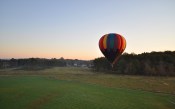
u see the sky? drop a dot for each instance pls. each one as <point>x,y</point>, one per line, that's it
<point>72,28</point>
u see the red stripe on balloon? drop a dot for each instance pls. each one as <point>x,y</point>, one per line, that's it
<point>101,43</point>
<point>118,44</point>
<point>121,45</point>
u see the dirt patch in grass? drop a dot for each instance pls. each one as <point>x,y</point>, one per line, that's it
<point>39,102</point>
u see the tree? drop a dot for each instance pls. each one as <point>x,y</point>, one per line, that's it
<point>154,63</point>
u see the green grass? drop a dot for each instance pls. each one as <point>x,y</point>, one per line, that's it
<point>74,88</point>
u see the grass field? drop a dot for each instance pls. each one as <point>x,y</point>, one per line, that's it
<point>80,88</point>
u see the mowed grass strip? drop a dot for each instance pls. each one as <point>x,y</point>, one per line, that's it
<point>41,92</point>
<point>147,83</point>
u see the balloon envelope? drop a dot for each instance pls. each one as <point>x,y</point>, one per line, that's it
<point>112,46</point>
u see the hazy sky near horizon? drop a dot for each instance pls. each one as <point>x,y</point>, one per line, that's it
<point>72,28</point>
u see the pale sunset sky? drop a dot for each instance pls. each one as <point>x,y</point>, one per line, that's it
<point>72,28</point>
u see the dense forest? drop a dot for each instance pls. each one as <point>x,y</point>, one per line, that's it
<point>154,63</point>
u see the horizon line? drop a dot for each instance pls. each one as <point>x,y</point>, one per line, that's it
<point>81,59</point>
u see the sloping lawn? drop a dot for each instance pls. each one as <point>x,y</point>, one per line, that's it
<point>43,92</point>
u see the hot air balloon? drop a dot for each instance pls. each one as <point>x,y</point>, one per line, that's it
<point>112,46</point>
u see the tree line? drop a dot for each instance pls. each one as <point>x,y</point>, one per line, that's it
<point>41,63</point>
<point>154,63</point>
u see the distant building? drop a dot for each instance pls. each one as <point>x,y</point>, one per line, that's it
<point>84,65</point>
<point>75,65</point>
